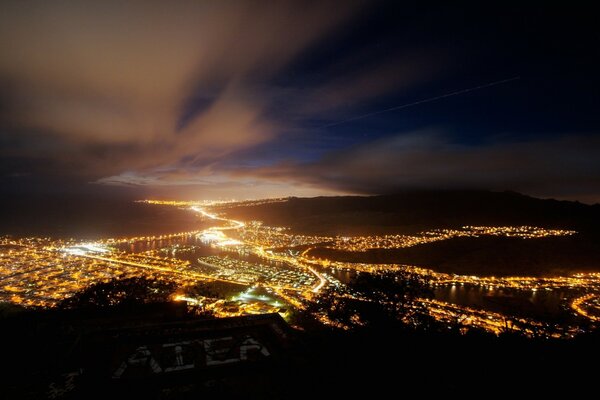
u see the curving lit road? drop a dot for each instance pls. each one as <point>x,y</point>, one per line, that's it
<point>581,304</point>
<point>233,224</point>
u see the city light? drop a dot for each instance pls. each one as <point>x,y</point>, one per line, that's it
<point>43,271</point>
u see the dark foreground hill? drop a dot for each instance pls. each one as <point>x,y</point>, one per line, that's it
<point>159,352</point>
<point>413,212</point>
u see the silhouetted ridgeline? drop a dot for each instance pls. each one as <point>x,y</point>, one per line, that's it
<point>412,212</point>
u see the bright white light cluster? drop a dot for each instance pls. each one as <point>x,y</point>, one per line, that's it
<point>217,238</point>
<point>86,248</point>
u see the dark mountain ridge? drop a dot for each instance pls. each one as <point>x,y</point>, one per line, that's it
<point>412,212</point>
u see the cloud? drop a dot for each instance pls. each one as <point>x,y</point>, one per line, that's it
<point>564,166</point>
<point>193,96</point>
<point>99,89</point>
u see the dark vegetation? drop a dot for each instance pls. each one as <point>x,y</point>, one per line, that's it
<point>390,303</point>
<point>218,290</point>
<point>380,358</point>
<point>125,293</point>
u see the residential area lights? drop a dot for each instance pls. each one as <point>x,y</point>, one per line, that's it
<point>43,271</point>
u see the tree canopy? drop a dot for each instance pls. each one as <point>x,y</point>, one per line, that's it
<point>121,292</point>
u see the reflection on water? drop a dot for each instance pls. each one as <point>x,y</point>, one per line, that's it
<point>342,275</point>
<point>518,302</point>
<point>191,247</point>
<point>540,304</point>
<point>535,304</point>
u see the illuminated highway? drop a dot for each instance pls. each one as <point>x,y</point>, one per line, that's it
<point>588,306</point>
<point>223,240</point>
<point>232,223</point>
<point>42,271</point>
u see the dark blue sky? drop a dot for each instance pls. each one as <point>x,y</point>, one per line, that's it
<point>256,99</point>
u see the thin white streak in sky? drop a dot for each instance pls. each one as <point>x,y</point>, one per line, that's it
<point>416,103</point>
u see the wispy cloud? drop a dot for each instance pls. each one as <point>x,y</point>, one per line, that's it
<point>565,166</point>
<point>111,87</point>
<point>191,95</point>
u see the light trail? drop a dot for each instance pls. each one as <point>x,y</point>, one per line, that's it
<point>322,281</point>
<point>578,306</point>
<point>259,250</point>
<point>428,100</point>
<point>235,224</point>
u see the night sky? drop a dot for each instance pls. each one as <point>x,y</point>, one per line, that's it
<point>224,99</point>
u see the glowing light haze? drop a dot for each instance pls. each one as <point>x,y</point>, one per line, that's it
<point>244,99</point>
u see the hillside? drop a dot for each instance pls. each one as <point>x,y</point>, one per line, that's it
<point>412,212</point>
<point>486,256</point>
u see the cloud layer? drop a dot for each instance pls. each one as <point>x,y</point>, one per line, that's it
<point>108,88</point>
<point>565,166</point>
<point>238,98</point>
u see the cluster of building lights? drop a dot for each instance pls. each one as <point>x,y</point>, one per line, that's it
<point>364,243</point>
<point>588,306</point>
<point>246,302</point>
<point>41,272</point>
